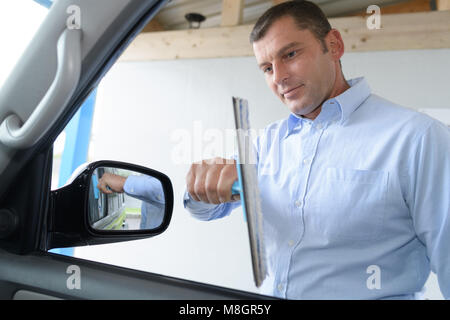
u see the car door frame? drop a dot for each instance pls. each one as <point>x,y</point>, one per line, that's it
<point>27,270</point>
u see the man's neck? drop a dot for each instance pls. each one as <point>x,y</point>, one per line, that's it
<point>340,87</point>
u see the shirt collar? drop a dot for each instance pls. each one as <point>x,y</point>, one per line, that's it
<point>293,121</point>
<point>352,98</point>
<point>346,103</point>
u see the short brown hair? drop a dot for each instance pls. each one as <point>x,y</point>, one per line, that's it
<point>306,14</point>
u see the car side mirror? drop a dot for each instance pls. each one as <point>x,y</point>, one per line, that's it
<point>109,201</point>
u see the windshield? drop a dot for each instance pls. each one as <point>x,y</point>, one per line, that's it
<point>19,21</point>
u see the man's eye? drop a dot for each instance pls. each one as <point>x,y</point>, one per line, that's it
<point>267,69</point>
<point>291,54</point>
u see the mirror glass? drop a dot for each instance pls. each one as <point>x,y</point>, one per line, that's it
<point>125,200</point>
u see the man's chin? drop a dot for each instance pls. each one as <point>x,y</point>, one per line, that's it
<point>301,111</point>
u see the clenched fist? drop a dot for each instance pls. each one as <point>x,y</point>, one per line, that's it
<point>110,183</point>
<point>211,180</point>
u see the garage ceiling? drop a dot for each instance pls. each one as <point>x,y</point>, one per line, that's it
<point>172,17</point>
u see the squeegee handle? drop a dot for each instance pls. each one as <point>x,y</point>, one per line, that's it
<point>236,188</point>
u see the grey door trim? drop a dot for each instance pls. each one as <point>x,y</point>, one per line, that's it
<point>49,274</point>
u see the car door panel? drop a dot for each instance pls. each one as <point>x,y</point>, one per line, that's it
<point>26,270</point>
<point>98,281</point>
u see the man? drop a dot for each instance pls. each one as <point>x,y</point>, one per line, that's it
<point>147,189</point>
<point>355,189</point>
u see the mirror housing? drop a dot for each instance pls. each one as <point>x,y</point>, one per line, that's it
<point>68,224</point>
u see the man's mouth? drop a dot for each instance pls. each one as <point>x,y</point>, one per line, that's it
<point>287,94</point>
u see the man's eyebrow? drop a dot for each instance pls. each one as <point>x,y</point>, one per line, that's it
<point>288,46</point>
<point>283,49</point>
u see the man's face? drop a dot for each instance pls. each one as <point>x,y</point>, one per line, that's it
<point>296,67</point>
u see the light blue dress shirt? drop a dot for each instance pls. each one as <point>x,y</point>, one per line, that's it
<point>149,190</point>
<point>356,203</point>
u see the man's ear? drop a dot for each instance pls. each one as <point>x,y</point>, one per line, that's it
<point>335,44</point>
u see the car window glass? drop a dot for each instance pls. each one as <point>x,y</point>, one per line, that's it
<point>165,117</point>
<point>167,114</point>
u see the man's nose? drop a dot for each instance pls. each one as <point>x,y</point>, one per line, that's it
<point>280,74</point>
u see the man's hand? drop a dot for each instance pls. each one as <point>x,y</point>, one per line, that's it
<point>113,181</point>
<point>211,180</point>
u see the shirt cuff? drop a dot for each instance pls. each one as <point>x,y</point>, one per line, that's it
<point>127,187</point>
<point>195,206</point>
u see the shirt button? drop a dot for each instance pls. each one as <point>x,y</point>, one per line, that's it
<point>280,287</point>
<point>319,127</point>
<point>290,243</point>
<point>306,161</point>
<point>298,204</point>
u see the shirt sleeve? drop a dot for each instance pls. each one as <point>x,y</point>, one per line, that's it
<point>207,211</point>
<point>429,198</point>
<point>144,188</point>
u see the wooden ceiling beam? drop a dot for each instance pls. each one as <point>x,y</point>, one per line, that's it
<point>275,2</point>
<point>232,12</point>
<point>404,7</point>
<point>153,26</point>
<point>408,31</point>
<point>407,7</point>
<point>443,4</point>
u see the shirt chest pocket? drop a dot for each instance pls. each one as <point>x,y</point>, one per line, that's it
<point>351,204</point>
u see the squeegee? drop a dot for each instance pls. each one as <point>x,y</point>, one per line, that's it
<point>247,187</point>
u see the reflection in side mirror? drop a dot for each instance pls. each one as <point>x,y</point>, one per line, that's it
<point>121,199</point>
<point>109,201</point>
